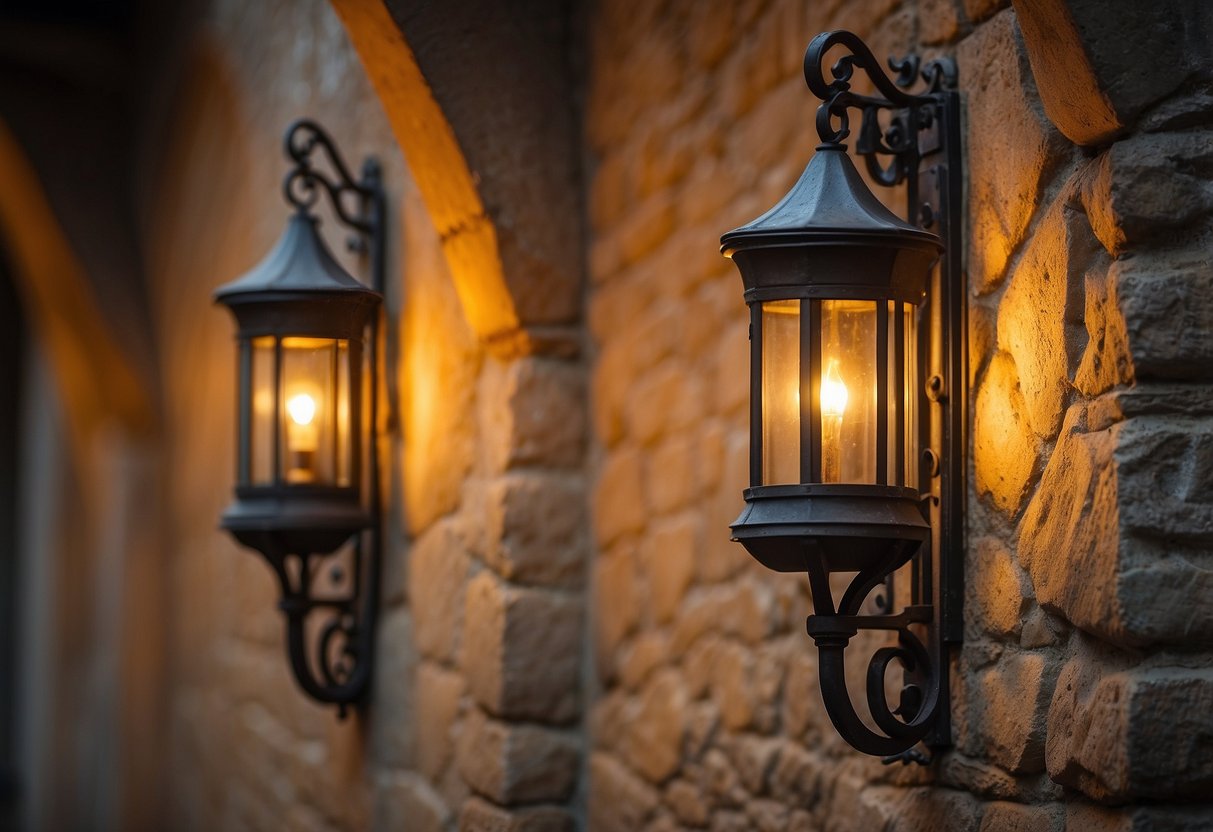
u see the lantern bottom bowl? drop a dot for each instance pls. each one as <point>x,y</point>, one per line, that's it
<point>294,519</point>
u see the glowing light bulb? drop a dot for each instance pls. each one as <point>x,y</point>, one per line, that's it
<point>833,392</point>
<point>302,409</point>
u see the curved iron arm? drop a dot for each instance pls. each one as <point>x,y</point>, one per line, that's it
<point>303,184</point>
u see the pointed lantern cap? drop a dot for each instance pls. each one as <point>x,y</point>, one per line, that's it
<point>831,231</point>
<point>299,289</point>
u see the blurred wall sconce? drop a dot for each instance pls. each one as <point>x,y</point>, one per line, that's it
<point>307,478</point>
<point>858,390</point>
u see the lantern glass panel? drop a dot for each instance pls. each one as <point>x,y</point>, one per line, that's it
<point>261,416</point>
<point>848,398</point>
<point>780,392</point>
<point>907,392</point>
<point>309,411</point>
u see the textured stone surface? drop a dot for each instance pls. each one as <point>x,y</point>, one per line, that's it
<point>1012,147</point>
<point>516,763</point>
<point>1090,91</point>
<point>521,651</point>
<point>1005,448</point>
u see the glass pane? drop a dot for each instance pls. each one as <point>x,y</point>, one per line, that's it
<point>848,391</point>
<point>342,403</point>
<point>781,392</point>
<point>912,390</point>
<point>308,410</point>
<point>261,421</point>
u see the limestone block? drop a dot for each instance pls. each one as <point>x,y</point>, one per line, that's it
<point>1106,362</point>
<point>912,810</point>
<point>670,474</point>
<point>997,592</point>
<point>480,816</point>
<point>405,801</point>
<point>618,497</point>
<point>1091,90</point>
<point>619,801</point>
<point>647,652</point>
<point>1012,147</point>
<point>1015,817</point>
<point>1040,317</point>
<point>797,776</point>
<point>511,763</point>
<point>535,527</point>
<point>1166,301</point>
<point>742,609</point>
<point>1119,734</point>
<point>1005,448</point>
<point>438,571</point>
<point>438,702</point>
<point>1007,708</point>
<point>667,557</point>
<point>532,412</point>
<point>521,650</point>
<point>978,10</point>
<point>653,731</point>
<point>1084,817</point>
<point>768,815</point>
<point>663,401</point>
<point>1149,184</point>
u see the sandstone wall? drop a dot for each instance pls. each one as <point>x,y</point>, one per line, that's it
<point>477,688</point>
<point>1080,697</point>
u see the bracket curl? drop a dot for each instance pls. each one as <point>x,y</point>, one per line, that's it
<point>304,182</point>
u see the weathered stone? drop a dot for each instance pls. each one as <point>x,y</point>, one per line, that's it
<point>754,758</point>
<point>1083,817</point>
<point>1107,362</point>
<point>535,527</point>
<point>916,809</point>
<point>438,570</point>
<point>745,610</point>
<point>438,701</point>
<point>652,742</point>
<point>1148,185</point>
<point>1012,147</point>
<point>395,736</point>
<point>1125,734</point>
<point>1168,314</point>
<point>663,401</point>
<point>978,10</point>
<point>618,498</point>
<point>1015,817</point>
<point>619,801</point>
<point>1005,448</point>
<point>406,801</point>
<point>480,816</point>
<point>646,653</point>
<point>667,556</point>
<point>768,815</point>
<point>997,591</point>
<point>532,412</point>
<point>1077,49</point>
<point>1006,712</point>
<point>1040,318</point>
<point>1121,503</point>
<point>521,650</point>
<point>796,778</point>
<point>687,803</point>
<point>670,476</point>
<point>511,763</point>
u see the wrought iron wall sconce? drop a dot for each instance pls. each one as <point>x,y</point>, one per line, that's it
<point>307,473</point>
<point>858,389</point>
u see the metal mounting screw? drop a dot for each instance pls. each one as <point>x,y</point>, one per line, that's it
<point>935,388</point>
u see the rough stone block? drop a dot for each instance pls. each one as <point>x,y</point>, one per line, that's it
<point>1007,708</point>
<point>1078,52</point>
<point>619,801</point>
<point>1015,817</point>
<point>653,730</point>
<point>670,475</point>
<point>438,570</point>
<point>438,702</point>
<point>1107,362</point>
<point>532,412</point>
<point>687,803</point>
<point>535,527</point>
<point>1119,734</point>
<point>618,497</point>
<point>1040,317</point>
<point>663,401</point>
<point>1166,302</point>
<point>997,591</point>
<point>616,603</point>
<point>1012,146</point>
<point>394,738</point>
<point>522,649</point>
<point>1084,817</point>
<point>1005,448</point>
<point>481,816</point>
<point>510,763</point>
<point>667,555</point>
<point>1118,528</point>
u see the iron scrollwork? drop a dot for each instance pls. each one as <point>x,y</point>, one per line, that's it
<point>332,662</point>
<point>908,138</point>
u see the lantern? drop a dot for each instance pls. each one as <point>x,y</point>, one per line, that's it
<point>306,340</point>
<point>856,448</point>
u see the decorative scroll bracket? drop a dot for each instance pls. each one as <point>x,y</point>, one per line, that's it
<point>910,139</point>
<point>333,663</point>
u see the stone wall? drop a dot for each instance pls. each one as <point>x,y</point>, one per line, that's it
<point>477,680</point>
<point>1080,694</point>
